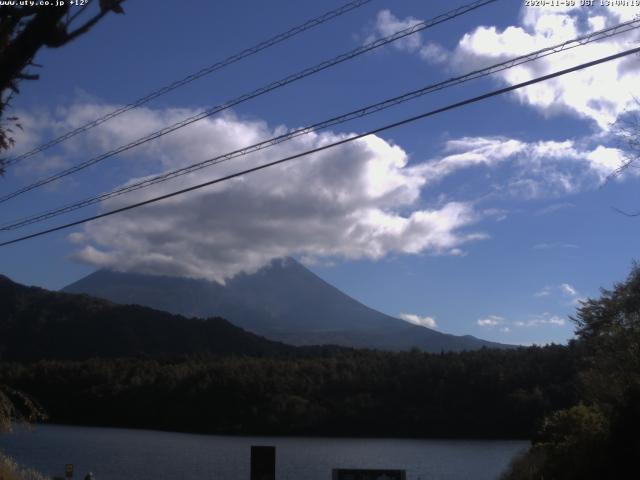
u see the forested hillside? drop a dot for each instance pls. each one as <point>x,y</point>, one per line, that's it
<point>89,361</point>
<point>38,324</point>
<point>483,394</point>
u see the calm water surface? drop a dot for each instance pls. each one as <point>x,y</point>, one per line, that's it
<point>117,454</point>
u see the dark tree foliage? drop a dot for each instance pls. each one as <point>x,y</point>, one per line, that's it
<point>38,324</point>
<point>482,394</point>
<point>598,437</point>
<point>16,406</point>
<point>210,376</point>
<point>24,30</point>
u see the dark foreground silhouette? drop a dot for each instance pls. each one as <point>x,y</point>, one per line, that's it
<point>596,438</point>
<point>579,403</point>
<point>482,394</point>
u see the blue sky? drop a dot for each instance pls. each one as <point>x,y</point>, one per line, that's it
<point>491,220</point>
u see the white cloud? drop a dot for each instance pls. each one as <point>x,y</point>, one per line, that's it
<point>541,320</point>
<point>549,157</point>
<point>388,24</point>
<point>589,93</point>
<point>554,207</point>
<point>554,245</point>
<point>434,53</point>
<point>606,159</point>
<point>572,295</point>
<point>564,289</point>
<point>545,292</point>
<point>538,169</point>
<point>547,168</point>
<point>359,200</point>
<point>29,136</point>
<point>469,152</point>
<point>567,289</point>
<point>490,321</point>
<point>533,321</point>
<point>428,322</point>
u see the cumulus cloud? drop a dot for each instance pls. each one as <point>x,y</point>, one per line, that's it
<point>360,200</point>
<point>428,322</point>
<point>548,168</point>
<point>29,136</point>
<point>388,24</point>
<point>588,93</point>
<point>469,152</point>
<point>490,321</point>
<point>539,169</point>
<point>434,53</point>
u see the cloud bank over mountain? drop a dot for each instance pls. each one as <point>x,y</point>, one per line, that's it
<point>360,200</point>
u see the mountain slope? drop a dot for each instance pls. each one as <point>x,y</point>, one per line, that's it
<point>284,301</point>
<point>38,324</point>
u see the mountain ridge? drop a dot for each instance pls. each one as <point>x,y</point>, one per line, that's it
<point>284,302</point>
<point>38,324</point>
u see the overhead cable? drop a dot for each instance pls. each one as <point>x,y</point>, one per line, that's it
<point>370,109</point>
<point>328,146</point>
<point>256,93</point>
<point>281,37</point>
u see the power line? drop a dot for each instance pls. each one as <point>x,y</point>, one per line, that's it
<point>256,93</point>
<point>281,37</point>
<point>374,108</point>
<point>331,145</point>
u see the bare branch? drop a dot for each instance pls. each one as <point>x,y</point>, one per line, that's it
<point>80,11</point>
<point>65,37</point>
<point>627,130</point>
<point>24,31</point>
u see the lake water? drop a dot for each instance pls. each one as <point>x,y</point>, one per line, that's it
<point>117,454</point>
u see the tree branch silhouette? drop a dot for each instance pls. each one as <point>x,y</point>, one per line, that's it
<point>24,30</point>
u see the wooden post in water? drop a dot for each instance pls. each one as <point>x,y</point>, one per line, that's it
<point>263,463</point>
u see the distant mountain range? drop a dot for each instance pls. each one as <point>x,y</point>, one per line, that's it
<point>37,324</point>
<point>283,301</point>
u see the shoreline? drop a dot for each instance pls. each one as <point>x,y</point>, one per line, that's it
<point>269,435</point>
